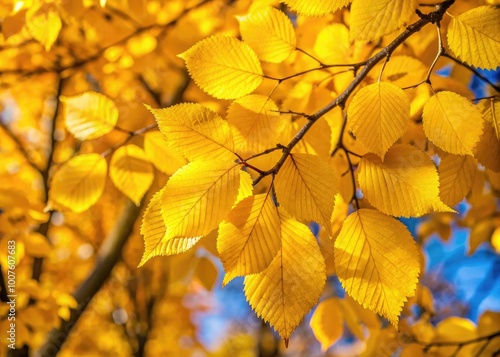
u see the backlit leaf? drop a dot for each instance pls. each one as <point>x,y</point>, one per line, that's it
<point>195,131</point>
<point>306,188</point>
<point>44,24</point>
<point>89,115</point>
<point>474,37</point>
<point>198,197</point>
<point>285,292</point>
<point>327,323</point>
<point>153,231</point>
<point>332,44</point>
<point>316,7</point>
<point>491,112</point>
<point>377,262</point>
<point>164,158</point>
<point>224,67</point>
<point>452,123</point>
<point>376,18</point>
<point>80,182</point>
<point>131,172</point>
<point>255,123</point>
<point>269,32</point>
<point>378,116</point>
<point>405,184</point>
<point>249,237</point>
<point>456,174</point>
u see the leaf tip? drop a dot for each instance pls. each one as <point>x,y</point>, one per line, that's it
<point>287,340</point>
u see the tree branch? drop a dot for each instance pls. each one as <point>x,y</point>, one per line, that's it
<point>340,101</point>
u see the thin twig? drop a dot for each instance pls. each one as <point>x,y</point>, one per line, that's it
<point>369,64</point>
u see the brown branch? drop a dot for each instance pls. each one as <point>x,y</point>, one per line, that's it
<point>459,344</point>
<point>340,101</point>
<point>108,256</point>
<point>18,144</point>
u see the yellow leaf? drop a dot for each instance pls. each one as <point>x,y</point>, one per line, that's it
<point>44,24</point>
<point>306,188</point>
<point>377,262</point>
<point>255,123</point>
<point>456,174</point>
<point>246,187</point>
<point>405,184</point>
<point>376,18</point>
<point>198,197</point>
<point>153,231</point>
<point>89,115</point>
<point>378,116</point>
<point>474,37</point>
<point>195,131</point>
<point>488,325</point>
<point>487,150</point>
<point>454,329</point>
<point>80,182</point>
<point>224,67</point>
<point>160,154</point>
<point>37,245</point>
<point>291,285</point>
<point>452,123</point>
<point>269,32</point>
<point>351,318</point>
<point>332,44</point>
<point>327,323</point>
<point>400,70</point>
<point>316,7</point>
<point>131,172</point>
<point>249,237</point>
<point>491,112</point>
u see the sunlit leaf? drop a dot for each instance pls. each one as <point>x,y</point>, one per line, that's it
<point>195,131</point>
<point>269,32</point>
<point>80,182</point>
<point>377,262</point>
<point>376,18</point>
<point>327,323</point>
<point>285,292</point>
<point>131,172</point>
<point>153,231</point>
<point>316,7</point>
<point>224,67</point>
<point>452,123</point>
<point>306,187</point>
<point>456,174</point>
<point>89,115</point>
<point>44,24</point>
<point>405,184</point>
<point>198,197</point>
<point>378,116</point>
<point>474,37</point>
<point>249,237</point>
<point>160,154</point>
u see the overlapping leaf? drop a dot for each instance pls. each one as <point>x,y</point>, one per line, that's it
<point>198,197</point>
<point>456,174</point>
<point>374,19</point>
<point>224,67</point>
<point>316,7</point>
<point>153,230</point>
<point>327,323</point>
<point>405,184</point>
<point>306,187</point>
<point>249,237</point>
<point>474,37</point>
<point>164,158</point>
<point>131,172</point>
<point>377,262</point>
<point>291,285</point>
<point>255,123</point>
<point>269,32</point>
<point>452,123</point>
<point>80,182</point>
<point>89,115</point>
<point>378,116</point>
<point>195,131</point>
